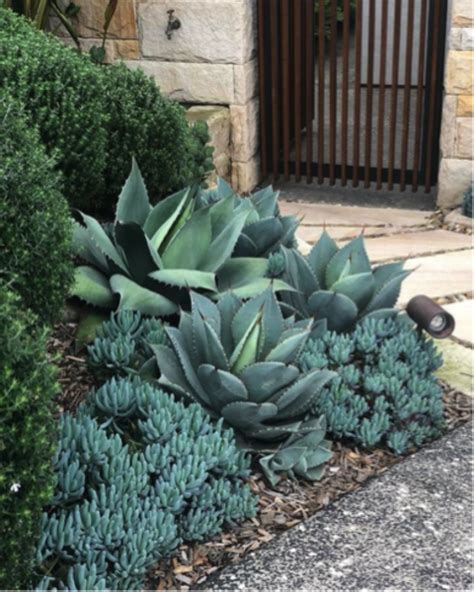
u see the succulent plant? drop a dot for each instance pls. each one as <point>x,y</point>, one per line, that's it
<point>238,360</point>
<point>385,391</point>
<point>123,344</point>
<point>265,229</point>
<point>150,257</point>
<point>137,474</point>
<point>339,284</point>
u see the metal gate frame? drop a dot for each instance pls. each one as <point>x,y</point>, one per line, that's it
<point>287,45</point>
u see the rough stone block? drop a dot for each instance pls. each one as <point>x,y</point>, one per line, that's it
<point>455,38</point>
<point>90,20</point>
<point>454,178</point>
<point>448,130</point>
<point>467,39</point>
<point>245,175</point>
<point>465,106</point>
<point>245,82</point>
<point>464,137</point>
<point>462,13</point>
<point>459,79</point>
<point>244,130</point>
<point>211,31</point>
<point>192,83</point>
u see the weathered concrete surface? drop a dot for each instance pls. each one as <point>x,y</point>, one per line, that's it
<point>458,367</point>
<point>463,313</point>
<point>438,275</point>
<point>407,530</point>
<point>321,214</point>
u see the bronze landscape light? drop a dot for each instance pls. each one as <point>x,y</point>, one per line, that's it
<point>431,317</point>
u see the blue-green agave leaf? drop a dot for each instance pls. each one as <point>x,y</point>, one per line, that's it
<point>339,310</point>
<point>186,278</point>
<point>93,287</point>
<point>224,386</point>
<point>135,297</point>
<point>320,256</point>
<point>133,204</point>
<point>359,287</point>
<point>264,379</point>
<point>189,247</point>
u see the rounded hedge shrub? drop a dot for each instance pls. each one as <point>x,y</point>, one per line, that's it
<point>95,118</point>
<point>35,227</point>
<point>154,130</point>
<point>27,442</point>
<point>61,92</point>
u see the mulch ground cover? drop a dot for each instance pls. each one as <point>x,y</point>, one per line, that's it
<point>280,508</point>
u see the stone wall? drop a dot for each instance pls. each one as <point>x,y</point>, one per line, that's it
<point>209,61</point>
<point>456,169</point>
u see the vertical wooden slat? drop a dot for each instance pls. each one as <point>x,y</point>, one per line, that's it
<point>275,67</point>
<point>369,96</point>
<point>297,89</point>
<point>321,89</point>
<point>309,15</point>
<point>394,98</point>
<point>433,82</point>
<point>345,91</point>
<point>262,89</point>
<point>420,93</point>
<point>285,63</point>
<point>358,60</point>
<point>382,81</point>
<point>333,94</point>
<point>407,93</point>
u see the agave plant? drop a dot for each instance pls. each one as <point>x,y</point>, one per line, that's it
<point>265,229</point>
<point>238,360</point>
<point>150,257</point>
<point>339,284</point>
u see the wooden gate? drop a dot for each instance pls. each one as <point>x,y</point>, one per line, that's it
<point>352,90</point>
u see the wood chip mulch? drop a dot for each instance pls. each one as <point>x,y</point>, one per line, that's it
<point>280,508</point>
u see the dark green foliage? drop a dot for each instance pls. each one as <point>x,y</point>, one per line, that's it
<point>385,391</point>
<point>145,125</point>
<point>35,229</point>
<point>137,473</point>
<point>467,202</point>
<point>93,119</point>
<point>27,442</point>
<point>123,343</point>
<point>62,95</point>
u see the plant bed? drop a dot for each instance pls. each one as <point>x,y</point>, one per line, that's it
<point>280,508</point>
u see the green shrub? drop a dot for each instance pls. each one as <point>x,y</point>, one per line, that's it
<point>153,129</point>
<point>385,391</point>
<point>467,202</point>
<point>95,118</point>
<point>35,228</point>
<point>61,92</point>
<point>27,442</point>
<point>137,474</point>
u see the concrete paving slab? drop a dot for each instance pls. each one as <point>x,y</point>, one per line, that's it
<point>463,313</point>
<point>458,367</point>
<point>414,244</point>
<point>337,215</point>
<point>340,233</point>
<point>407,530</point>
<point>438,275</point>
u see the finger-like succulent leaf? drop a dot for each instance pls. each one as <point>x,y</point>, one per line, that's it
<point>93,287</point>
<point>135,297</point>
<point>133,204</point>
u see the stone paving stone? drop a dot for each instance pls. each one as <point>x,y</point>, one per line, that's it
<point>339,233</point>
<point>413,244</point>
<point>463,313</point>
<point>438,275</point>
<point>337,215</point>
<point>409,529</point>
<point>458,366</point>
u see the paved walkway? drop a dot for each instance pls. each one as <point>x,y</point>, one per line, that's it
<point>407,530</point>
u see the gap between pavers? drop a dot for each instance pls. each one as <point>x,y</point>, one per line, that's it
<point>409,529</point>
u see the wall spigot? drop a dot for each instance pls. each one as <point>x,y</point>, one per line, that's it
<point>173,24</point>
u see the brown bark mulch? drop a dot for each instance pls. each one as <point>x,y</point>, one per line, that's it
<point>280,508</point>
